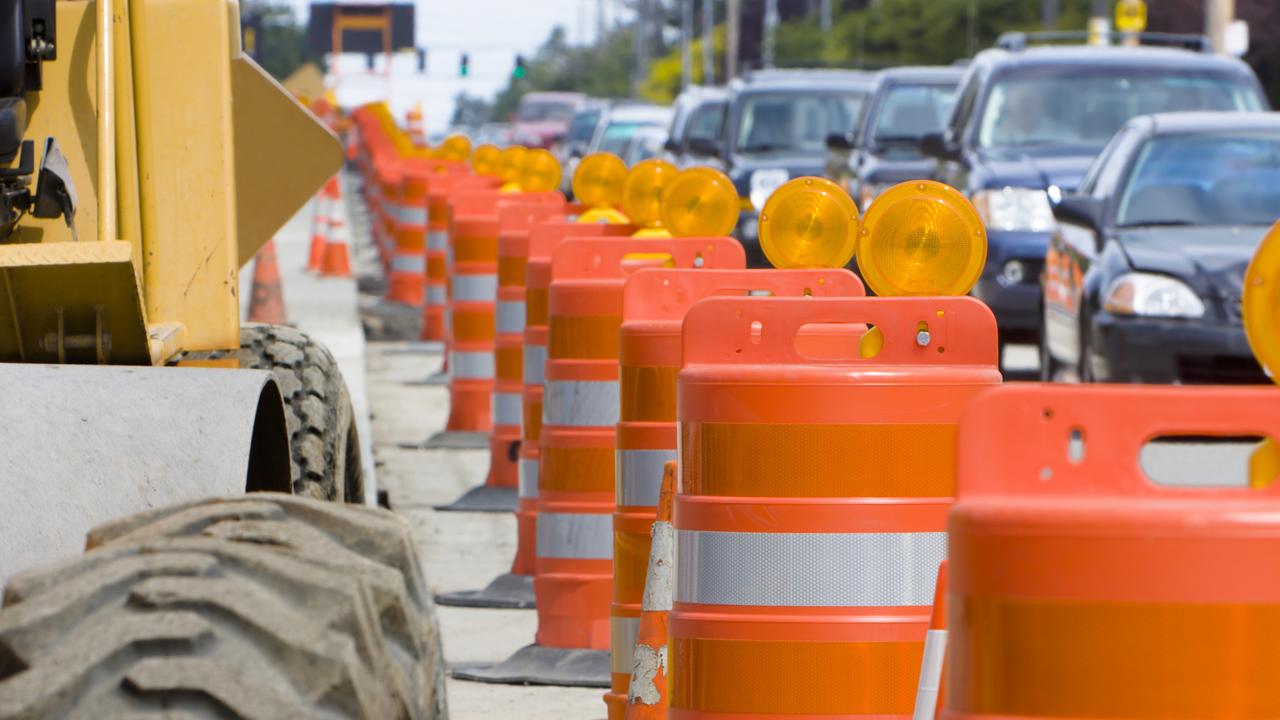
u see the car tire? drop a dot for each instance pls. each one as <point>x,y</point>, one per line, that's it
<point>261,606</point>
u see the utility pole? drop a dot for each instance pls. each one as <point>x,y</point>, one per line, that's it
<point>686,43</point>
<point>825,18</point>
<point>641,42</point>
<point>1100,23</point>
<point>1218,14</point>
<point>769,44</point>
<point>732,23</point>
<point>708,42</point>
<point>1049,13</point>
<point>601,25</point>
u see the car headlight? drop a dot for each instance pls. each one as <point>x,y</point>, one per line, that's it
<point>1010,208</point>
<point>764,182</point>
<point>1152,296</point>
<point>867,192</point>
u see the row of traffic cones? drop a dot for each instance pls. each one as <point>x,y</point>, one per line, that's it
<point>329,254</point>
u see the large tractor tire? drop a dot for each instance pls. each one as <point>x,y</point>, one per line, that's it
<point>263,606</point>
<point>323,442</point>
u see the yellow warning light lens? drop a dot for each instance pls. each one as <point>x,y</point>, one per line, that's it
<point>509,163</point>
<point>539,172</point>
<point>921,238</point>
<point>809,222</point>
<point>455,147</point>
<point>485,160</point>
<point>597,182</point>
<point>700,201</point>
<point>603,216</point>
<point>642,191</point>
<point>1261,303</point>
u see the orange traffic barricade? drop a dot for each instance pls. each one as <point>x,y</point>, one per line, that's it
<point>815,480</point>
<point>515,589</point>
<point>1080,588</point>
<point>573,581</point>
<point>407,269</point>
<point>654,302</point>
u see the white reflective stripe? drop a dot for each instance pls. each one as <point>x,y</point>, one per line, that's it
<point>507,408</point>
<point>581,403</point>
<point>413,215</point>
<point>436,295</point>
<point>437,240</point>
<point>935,651</point>
<point>809,569</point>
<point>528,479</point>
<point>471,364</point>
<point>622,642</point>
<point>510,317</point>
<point>475,288</point>
<point>535,363</point>
<point>575,536</point>
<point>403,262</point>
<point>639,474</point>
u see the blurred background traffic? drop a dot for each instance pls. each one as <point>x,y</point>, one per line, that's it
<point>1122,154</point>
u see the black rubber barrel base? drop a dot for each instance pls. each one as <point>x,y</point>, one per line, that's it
<point>484,498</point>
<point>538,665</point>
<point>513,592</point>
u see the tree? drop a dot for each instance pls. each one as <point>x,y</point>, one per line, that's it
<point>470,111</point>
<point>274,38</point>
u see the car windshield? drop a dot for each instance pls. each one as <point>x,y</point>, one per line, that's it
<point>909,112</point>
<point>705,121</point>
<point>541,110</point>
<point>794,122</point>
<point>1083,108</point>
<point>616,135</point>
<point>583,126</point>
<point>1199,179</point>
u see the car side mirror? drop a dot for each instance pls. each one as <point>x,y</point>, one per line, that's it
<point>671,146</point>
<point>1079,210</point>
<point>840,141</point>
<point>936,145</point>
<point>704,146</point>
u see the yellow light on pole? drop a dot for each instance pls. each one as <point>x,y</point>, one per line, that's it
<point>921,238</point>
<point>597,181</point>
<point>700,201</point>
<point>809,222</point>
<point>456,147</point>
<point>509,163</point>
<point>539,171</point>
<point>642,191</point>
<point>1131,16</point>
<point>485,160</point>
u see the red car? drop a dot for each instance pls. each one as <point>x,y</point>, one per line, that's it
<point>542,118</point>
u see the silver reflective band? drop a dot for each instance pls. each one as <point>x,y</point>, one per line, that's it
<point>437,239</point>
<point>413,215</point>
<point>639,476</point>
<point>622,642</point>
<point>506,408</point>
<point>574,536</point>
<point>535,363</point>
<point>510,317</point>
<point>935,650</point>
<point>471,364</point>
<point>436,295</point>
<point>401,262</point>
<point>581,403</point>
<point>528,479</point>
<point>392,211</point>
<point>474,288</point>
<point>808,569</point>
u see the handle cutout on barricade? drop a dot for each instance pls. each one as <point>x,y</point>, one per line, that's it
<point>600,258</point>
<point>833,341</point>
<point>1203,462</point>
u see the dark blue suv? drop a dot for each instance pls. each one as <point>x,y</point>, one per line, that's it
<point>1027,123</point>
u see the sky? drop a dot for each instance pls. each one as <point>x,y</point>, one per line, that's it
<point>491,32</point>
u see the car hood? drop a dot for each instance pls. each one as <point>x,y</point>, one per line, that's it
<point>796,165</point>
<point>882,170</point>
<point>1022,169</point>
<point>1211,259</point>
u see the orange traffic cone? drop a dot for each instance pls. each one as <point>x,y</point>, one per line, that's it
<point>929,691</point>
<point>320,224</point>
<point>337,261</point>
<point>647,693</point>
<point>266,300</point>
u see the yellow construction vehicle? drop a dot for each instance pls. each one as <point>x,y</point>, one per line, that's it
<point>143,160</point>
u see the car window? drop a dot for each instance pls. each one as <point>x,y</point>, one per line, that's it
<point>616,135</point>
<point>793,122</point>
<point>1204,179</point>
<point>1083,107</point>
<point>1107,171</point>
<point>908,112</point>
<point>705,121</point>
<point>960,114</point>
<point>583,126</point>
<point>540,110</point>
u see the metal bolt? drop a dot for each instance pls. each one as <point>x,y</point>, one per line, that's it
<point>922,338</point>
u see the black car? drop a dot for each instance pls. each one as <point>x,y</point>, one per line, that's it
<point>776,127</point>
<point>882,149</point>
<point>1027,123</point>
<point>1144,272</point>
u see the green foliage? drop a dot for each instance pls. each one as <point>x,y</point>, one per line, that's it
<point>280,42</point>
<point>601,70</point>
<point>663,83</point>
<point>470,111</point>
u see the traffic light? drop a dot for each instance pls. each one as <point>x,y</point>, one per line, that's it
<point>464,65</point>
<point>519,71</point>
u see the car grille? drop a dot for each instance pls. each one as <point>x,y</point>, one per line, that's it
<point>1221,370</point>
